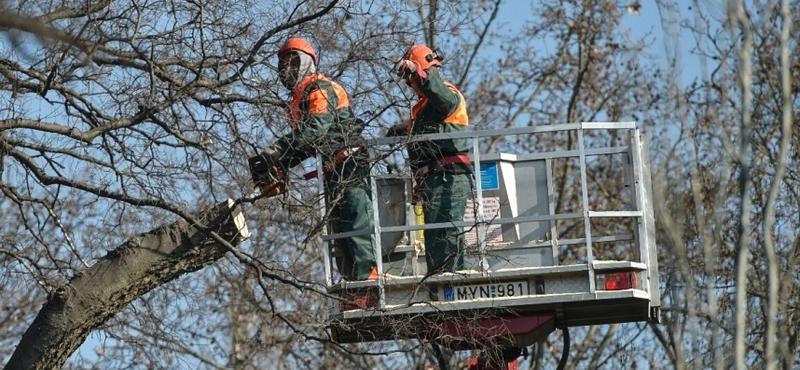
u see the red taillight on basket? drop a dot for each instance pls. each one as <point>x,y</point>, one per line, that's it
<point>359,299</point>
<point>620,280</point>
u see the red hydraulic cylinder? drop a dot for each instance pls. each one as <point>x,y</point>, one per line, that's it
<point>483,363</point>
<point>500,332</point>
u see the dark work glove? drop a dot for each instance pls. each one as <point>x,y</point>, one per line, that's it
<point>261,169</point>
<point>397,130</point>
<point>268,173</point>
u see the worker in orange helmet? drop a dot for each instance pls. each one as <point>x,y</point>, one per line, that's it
<point>322,122</point>
<point>442,171</point>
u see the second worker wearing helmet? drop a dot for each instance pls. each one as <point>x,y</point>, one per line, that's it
<point>443,172</point>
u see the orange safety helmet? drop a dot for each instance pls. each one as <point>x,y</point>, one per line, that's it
<point>424,56</point>
<point>298,44</point>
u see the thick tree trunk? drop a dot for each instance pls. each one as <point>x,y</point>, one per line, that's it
<point>134,268</point>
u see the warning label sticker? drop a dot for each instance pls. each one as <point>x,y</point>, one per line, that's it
<point>491,210</point>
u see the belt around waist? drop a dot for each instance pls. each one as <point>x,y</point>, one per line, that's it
<point>454,159</point>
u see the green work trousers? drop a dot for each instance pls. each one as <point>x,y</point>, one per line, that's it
<point>444,198</point>
<point>350,200</point>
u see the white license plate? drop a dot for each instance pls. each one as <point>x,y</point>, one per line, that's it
<point>488,290</point>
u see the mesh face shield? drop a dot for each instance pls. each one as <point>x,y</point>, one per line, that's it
<point>293,67</point>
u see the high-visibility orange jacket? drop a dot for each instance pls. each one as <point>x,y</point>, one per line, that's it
<point>321,121</point>
<point>442,109</point>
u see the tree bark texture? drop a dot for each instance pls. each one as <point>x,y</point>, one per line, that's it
<point>132,269</point>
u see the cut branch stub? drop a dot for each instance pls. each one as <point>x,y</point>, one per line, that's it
<point>132,269</point>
